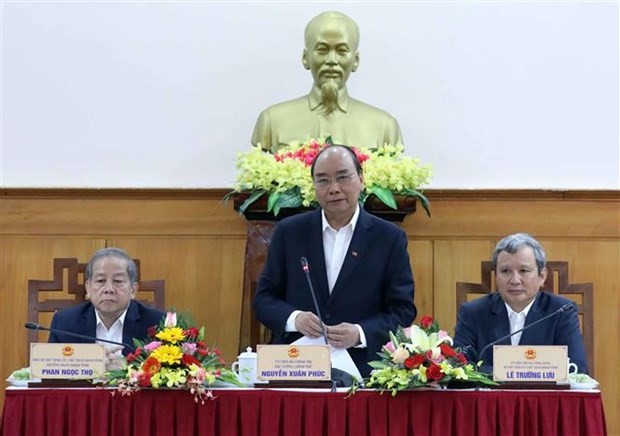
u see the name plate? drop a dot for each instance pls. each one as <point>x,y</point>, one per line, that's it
<point>67,361</point>
<point>530,363</point>
<point>293,362</point>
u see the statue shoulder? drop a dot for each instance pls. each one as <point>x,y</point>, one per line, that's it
<point>282,108</point>
<point>360,106</point>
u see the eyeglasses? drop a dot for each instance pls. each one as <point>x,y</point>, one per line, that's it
<point>342,180</point>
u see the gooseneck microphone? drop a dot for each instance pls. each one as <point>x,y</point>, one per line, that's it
<point>544,318</point>
<point>306,268</point>
<point>337,374</point>
<point>35,326</point>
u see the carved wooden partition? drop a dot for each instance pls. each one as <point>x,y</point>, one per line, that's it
<point>556,282</point>
<point>261,225</point>
<point>76,289</point>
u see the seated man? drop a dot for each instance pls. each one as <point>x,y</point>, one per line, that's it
<point>111,281</point>
<point>359,266</point>
<point>519,262</point>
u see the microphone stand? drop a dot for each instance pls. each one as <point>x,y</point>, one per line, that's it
<point>544,318</point>
<point>34,326</point>
<point>306,268</point>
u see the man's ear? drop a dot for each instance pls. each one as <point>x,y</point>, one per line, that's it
<point>87,287</point>
<point>304,59</point>
<point>357,62</point>
<point>134,290</point>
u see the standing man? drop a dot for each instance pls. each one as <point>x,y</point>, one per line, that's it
<point>111,282</point>
<point>359,267</point>
<point>520,268</point>
<point>331,54</point>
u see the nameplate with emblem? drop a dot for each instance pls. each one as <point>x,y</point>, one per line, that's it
<point>67,361</point>
<point>530,363</point>
<point>293,362</point>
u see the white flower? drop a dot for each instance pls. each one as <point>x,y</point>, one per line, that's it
<point>171,320</point>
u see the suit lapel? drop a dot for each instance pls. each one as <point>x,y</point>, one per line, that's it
<point>355,252</point>
<point>131,322</point>
<point>316,257</point>
<point>502,325</point>
<point>533,315</point>
<point>90,321</point>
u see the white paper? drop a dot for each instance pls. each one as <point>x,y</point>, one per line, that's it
<point>340,357</point>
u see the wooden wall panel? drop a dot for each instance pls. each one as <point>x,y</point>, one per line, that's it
<point>421,256</point>
<point>196,243</point>
<point>203,275</point>
<point>457,261</point>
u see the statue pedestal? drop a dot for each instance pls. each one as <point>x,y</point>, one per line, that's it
<point>261,225</point>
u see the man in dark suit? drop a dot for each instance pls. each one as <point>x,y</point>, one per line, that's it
<point>111,282</point>
<point>519,262</point>
<point>359,267</point>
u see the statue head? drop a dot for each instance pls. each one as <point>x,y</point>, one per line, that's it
<point>330,53</point>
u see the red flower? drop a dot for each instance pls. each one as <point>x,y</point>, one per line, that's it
<point>151,331</point>
<point>414,361</point>
<point>461,358</point>
<point>144,380</point>
<point>192,332</point>
<point>201,352</point>
<point>133,356</point>
<point>188,360</point>
<point>433,372</point>
<point>151,366</point>
<point>447,350</point>
<point>426,322</point>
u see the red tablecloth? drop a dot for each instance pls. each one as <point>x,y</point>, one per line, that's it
<point>270,412</point>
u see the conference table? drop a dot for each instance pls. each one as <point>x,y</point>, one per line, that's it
<point>94,411</point>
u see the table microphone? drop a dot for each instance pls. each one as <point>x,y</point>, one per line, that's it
<point>306,267</point>
<point>35,326</point>
<point>551,315</point>
<point>336,373</point>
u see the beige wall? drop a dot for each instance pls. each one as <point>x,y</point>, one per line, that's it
<point>196,243</point>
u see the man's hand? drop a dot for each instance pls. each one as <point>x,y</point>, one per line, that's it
<point>343,335</point>
<point>308,324</point>
<point>113,358</point>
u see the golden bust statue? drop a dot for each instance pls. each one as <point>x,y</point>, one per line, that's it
<point>331,54</point>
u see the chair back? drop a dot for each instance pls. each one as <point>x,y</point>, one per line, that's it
<point>557,282</point>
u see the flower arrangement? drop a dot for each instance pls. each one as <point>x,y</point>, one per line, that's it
<point>174,356</point>
<point>284,177</point>
<point>422,356</point>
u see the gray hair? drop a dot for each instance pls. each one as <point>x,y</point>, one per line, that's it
<point>132,270</point>
<point>512,243</point>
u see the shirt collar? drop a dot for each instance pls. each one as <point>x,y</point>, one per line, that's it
<point>524,311</point>
<point>120,319</point>
<point>315,100</point>
<point>352,223</point>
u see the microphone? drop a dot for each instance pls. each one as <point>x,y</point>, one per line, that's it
<point>339,377</point>
<point>551,315</point>
<point>306,268</point>
<point>35,326</point>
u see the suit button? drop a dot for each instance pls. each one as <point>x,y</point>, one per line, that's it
<point>328,316</point>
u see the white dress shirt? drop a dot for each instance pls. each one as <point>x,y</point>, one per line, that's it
<point>517,321</point>
<point>115,333</point>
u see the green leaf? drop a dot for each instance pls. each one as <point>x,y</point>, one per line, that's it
<point>329,140</point>
<point>251,199</point>
<point>272,200</point>
<point>289,199</point>
<point>385,195</point>
<point>423,200</point>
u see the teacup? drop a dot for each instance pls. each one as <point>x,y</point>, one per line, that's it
<point>572,367</point>
<point>245,367</point>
